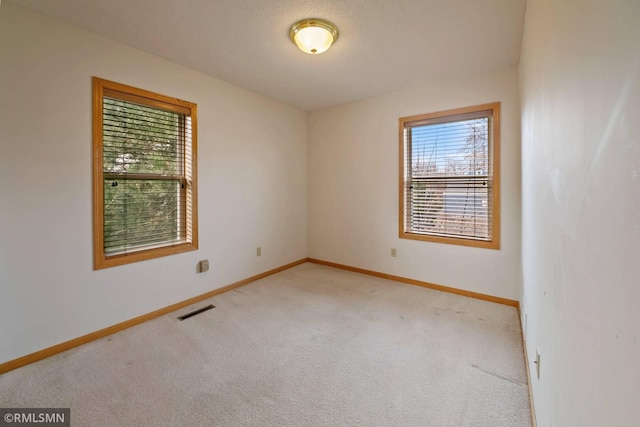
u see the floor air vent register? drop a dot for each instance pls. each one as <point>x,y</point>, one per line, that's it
<point>198,311</point>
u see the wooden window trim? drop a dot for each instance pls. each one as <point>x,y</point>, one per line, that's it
<point>101,88</point>
<point>494,243</point>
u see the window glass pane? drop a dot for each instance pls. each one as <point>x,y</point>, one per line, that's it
<point>141,212</point>
<point>455,148</point>
<point>454,208</point>
<point>139,139</point>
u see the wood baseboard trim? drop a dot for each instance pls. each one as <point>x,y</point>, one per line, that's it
<point>420,283</point>
<point>526,365</point>
<point>67,345</point>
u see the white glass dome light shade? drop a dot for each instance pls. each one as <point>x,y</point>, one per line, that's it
<point>313,36</point>
<point>313,39</point>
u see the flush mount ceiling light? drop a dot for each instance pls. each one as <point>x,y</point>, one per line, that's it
<point>313,35</point>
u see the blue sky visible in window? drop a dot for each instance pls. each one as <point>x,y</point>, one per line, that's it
<point>451,148</point>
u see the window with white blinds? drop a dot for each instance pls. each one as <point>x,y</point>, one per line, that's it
<point>449,185</point>
<point>144,175</point>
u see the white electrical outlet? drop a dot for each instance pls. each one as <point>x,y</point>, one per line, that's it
<point>259,251</point>
<point>394,252</point>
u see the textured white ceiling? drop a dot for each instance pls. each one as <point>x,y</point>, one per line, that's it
<point>383,45</point>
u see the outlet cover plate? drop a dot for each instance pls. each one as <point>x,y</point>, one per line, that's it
<point>203,266</point>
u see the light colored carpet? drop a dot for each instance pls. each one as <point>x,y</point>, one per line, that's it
<point>311,346</point>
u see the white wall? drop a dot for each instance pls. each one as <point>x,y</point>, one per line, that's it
<point>252,185</point>
<point>580,91</point>
<point>353,187</point>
